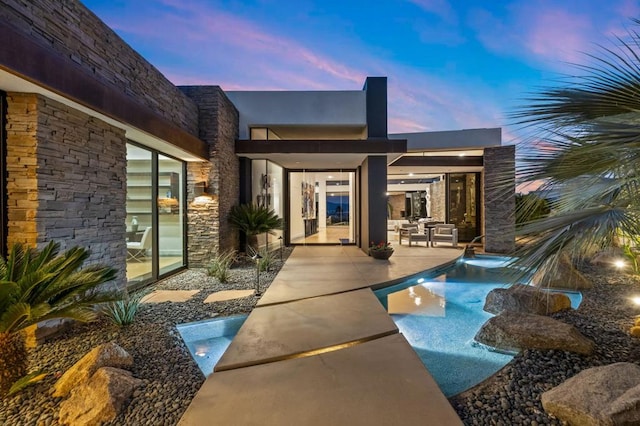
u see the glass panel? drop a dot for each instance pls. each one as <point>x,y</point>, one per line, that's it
<point>321,207</point>
<point>463,204</point>
<point>139,214</point>
<point>170,218</point>
<point>267,187</point>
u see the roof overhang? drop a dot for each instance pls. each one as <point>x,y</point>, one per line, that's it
<point>27,66</point>
<point>320,153</point>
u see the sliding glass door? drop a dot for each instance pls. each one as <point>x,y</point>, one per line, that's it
<point>155,214</point>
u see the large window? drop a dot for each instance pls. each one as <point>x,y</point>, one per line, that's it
<point>155,214</point>
<point>321,207</point>
<point>463,196</point>
<point>267,190</point>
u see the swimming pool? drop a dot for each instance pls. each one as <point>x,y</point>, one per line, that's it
<point>440,313</point>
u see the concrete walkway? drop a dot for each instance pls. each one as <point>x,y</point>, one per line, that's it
<point>320,349</point>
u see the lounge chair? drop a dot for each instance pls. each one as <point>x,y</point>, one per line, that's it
<point>444,233</point>
<point>412,233</point>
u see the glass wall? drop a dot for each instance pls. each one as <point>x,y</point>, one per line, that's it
<point>463,204</point>
<point>155,214</point>
<point>267,190</point>
<point>322,207</point>
<point>170,217</point>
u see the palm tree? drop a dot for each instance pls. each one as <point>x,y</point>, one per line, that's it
<point>252,220</point>
<point>584,147</point>
<point>39,285</point>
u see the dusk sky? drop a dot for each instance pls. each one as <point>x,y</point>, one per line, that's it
<point>450,64</point>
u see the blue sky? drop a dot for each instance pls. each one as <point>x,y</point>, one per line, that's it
<point>450,64</point>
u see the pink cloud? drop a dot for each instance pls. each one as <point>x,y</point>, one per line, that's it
<point>559,35</point>
<point>441,8</point>
<point>211,46</point>
<point>543,31</point>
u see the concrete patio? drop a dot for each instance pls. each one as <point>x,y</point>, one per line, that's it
<point>320,349</point>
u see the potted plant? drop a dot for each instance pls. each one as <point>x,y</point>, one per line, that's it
<point>382,250</point>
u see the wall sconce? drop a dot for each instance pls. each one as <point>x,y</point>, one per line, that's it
<point>200,188</point>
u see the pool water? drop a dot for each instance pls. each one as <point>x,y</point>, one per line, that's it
<point>440,314</point>
<point>207,340</point>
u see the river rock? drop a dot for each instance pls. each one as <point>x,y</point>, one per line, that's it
<point>515,331</point>
<point>105,355</point>
<point>608,395</point>
<point>560,274</point>
<point>527,299</point>
<point>100,399</point>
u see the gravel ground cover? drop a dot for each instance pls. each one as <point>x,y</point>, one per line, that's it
<point>512,397</point>
<point>171,378</point>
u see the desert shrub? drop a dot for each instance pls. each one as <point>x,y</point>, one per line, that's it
<point>122,312</point>
<point>220,265</point>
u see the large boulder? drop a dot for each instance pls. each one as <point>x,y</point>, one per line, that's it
<point>527,299</point>
<point>608,395</point>
<point>100,399</point>
<point>515,331</point>
<point>561,274</point>
<point>106,355</point>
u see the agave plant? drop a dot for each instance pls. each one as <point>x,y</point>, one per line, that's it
<point>584,150</point>
<point>40,285</point>
<point>253,220</point>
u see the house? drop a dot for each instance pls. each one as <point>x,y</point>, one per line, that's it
<point>98,146</point>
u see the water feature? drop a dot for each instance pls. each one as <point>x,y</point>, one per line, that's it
<point>440,313</point>
<point>208,339</point>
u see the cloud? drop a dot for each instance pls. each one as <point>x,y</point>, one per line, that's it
<point>210,46</point>
<point>551,33</point>
<point>440,8</point>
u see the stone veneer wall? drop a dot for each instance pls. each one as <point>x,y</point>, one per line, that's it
<point>397,205</point>
<point>438,200</point>
<point>70,29</point>
<point>208,227</point>
<point>499,199</point>
<point>66,179</point>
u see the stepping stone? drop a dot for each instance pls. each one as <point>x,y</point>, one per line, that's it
<point>160,296</point>
<point>220,296</point>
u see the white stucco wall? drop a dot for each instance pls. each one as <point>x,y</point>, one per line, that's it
<point>451,139</point>
<point>299,108</point>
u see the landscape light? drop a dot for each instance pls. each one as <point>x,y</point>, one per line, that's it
<point>636,300</point>
<point>619,264</point>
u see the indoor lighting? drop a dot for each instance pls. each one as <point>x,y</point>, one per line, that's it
<point>636,300</point>
<point>620,264</point>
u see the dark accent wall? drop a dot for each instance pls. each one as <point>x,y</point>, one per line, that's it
<point>499,187</point>
<point>374,201</point>
<point>376,89</point>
